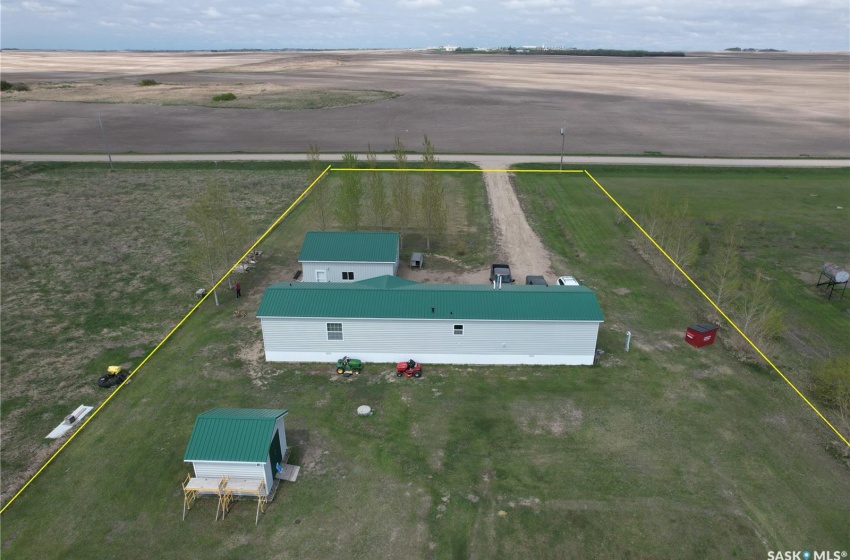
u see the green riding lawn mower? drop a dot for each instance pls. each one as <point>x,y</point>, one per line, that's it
<point>347,366</point>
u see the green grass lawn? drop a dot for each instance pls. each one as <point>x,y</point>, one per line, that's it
<point>663,452</point>
<point>94,269</point>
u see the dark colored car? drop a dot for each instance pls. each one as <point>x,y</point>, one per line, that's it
<point>501,270</point>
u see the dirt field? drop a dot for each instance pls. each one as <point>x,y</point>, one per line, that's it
<point>742,104</point>
<point>251,95</point>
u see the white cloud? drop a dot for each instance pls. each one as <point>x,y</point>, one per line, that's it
<point>656,24</point>
<point>38,7</point>
<point>138,4</point>
<point>48,9</point>
<point>535,4</point>
<point>418,4</point>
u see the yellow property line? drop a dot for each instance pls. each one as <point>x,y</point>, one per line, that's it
<point>163,341</point>
<point>301,197</point>
<point>397,169</point>
<point>730,321</point>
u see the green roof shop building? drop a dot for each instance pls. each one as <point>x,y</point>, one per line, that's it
<point>388,319</point>
<point>239,443</point>
<point>348,256</point>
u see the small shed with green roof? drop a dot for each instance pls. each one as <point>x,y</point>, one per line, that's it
<point>388,319</point>
<point>239,443</point>
<point>348,256</point>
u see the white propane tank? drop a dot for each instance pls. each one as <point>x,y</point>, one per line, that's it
<point>838,274</point>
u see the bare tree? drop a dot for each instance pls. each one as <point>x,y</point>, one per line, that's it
<point>680,241</point>
<point>432,200</point>
<point>725,271</point>
<point>673,230</point>
<point>234,232</point>
<point>349,196</point>
<point>217,234</point>
<point>401,199</point>
<point>321,202</point>
<point>654,218</point>
<point>758,316</point>
<point>379,203</point>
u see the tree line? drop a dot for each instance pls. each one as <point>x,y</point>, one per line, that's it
<point>744,297</point>
<point>568,52</point>
<point>382,199</point>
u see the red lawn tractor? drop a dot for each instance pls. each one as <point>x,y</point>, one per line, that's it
<point>410,368</point>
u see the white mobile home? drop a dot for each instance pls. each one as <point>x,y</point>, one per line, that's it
<point>348,256</point>
<point>389,319</point>
<point>240,443</point>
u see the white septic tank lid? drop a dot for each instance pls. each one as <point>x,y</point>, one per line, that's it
<point>364,410</point>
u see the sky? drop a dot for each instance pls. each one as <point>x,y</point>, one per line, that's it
<point>688,25</point>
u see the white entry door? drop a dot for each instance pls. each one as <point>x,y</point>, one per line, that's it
<point>321,276</point>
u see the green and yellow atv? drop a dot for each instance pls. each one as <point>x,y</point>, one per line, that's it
<point>346,366</point>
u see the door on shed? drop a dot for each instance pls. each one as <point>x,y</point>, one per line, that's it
<point>321,276</point>
<point>275,454</point>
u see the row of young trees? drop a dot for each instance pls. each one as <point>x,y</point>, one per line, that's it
<point>752,306</point>
<point>383,199</point>
<point>744,297</point>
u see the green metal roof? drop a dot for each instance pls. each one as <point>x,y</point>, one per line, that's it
<point>233,434</point>
<point>386,297</point>
<point>387,282</point>
<point>349,246</point>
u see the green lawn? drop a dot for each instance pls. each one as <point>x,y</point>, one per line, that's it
<point>663,452</point>
<point>94,269</point>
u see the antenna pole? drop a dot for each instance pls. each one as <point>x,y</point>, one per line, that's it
<point>105,144</point>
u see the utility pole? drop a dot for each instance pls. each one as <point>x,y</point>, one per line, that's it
<point>105,144</point>
<point>563,138</point>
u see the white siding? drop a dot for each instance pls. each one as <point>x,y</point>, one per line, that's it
<point>432,341</point>
<point>281,430</point>
<point>268,475</point>
<point>362,271</point>
<point>217,469</point>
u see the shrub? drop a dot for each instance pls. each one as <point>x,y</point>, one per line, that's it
<point>832,383</point>
<point>148,82</point>
<point>8,86</point>
<point>224,97</point>
<point>832,387</point>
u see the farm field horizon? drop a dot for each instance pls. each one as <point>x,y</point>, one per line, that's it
<point>703,104</point>
<point>664,451</point>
